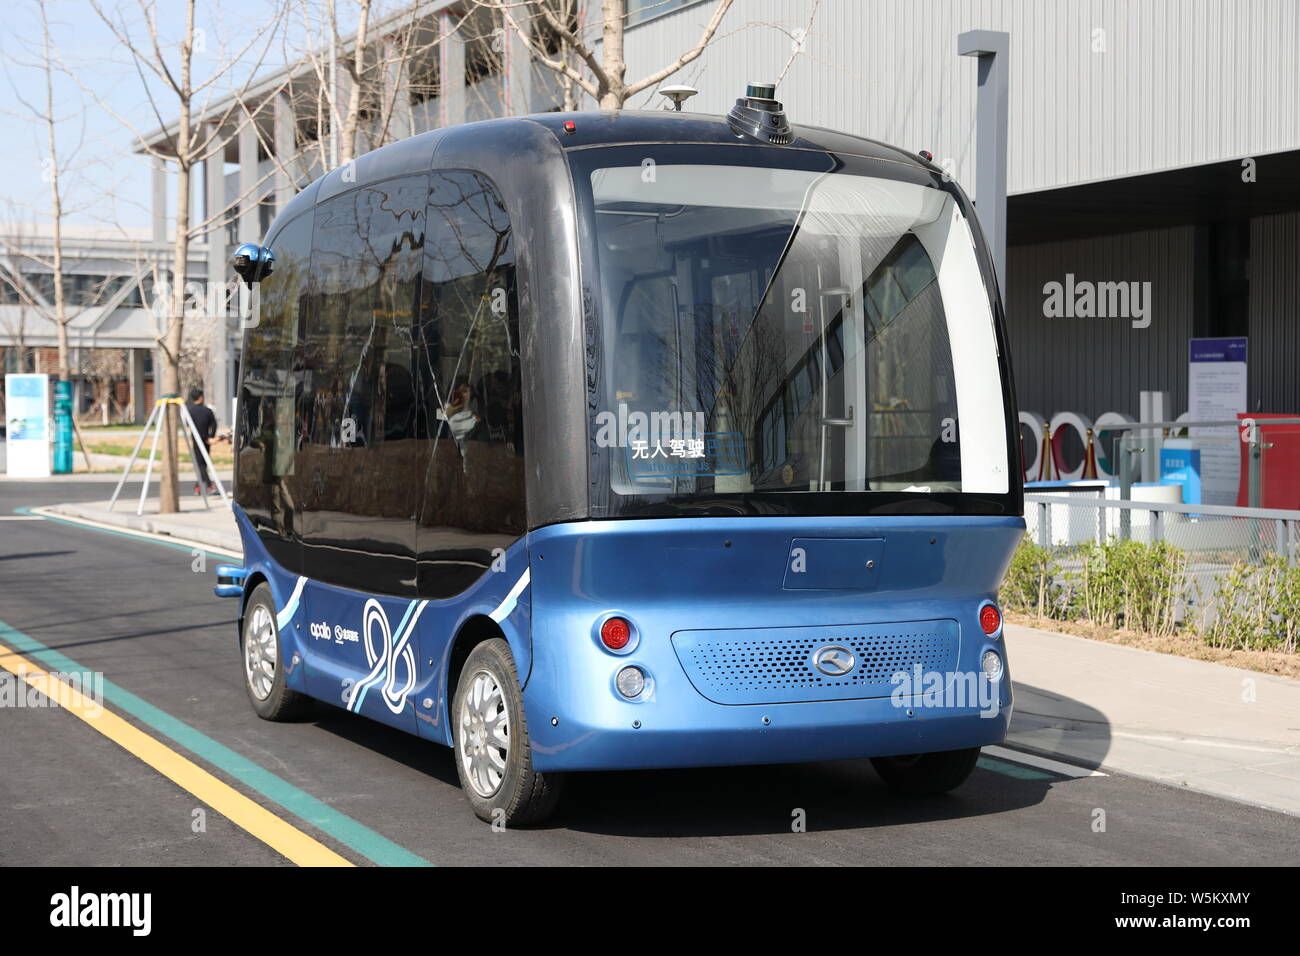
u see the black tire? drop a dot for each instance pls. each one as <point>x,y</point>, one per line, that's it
<point>279,702</point>
<point>522,796</point>
<point>923,774</point>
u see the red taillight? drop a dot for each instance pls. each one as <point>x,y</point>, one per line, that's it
<point>990,619</point>
<point>570,127</point>
<point>615,633</point>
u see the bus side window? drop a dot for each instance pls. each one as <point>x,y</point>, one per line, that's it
<point>469,379</point>
<point>360,446</point>
<point>268,482</point>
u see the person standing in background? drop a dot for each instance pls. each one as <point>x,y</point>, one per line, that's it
<point>206,424</point>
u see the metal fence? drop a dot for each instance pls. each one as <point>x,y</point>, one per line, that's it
<point>1214,538</point>
<point>1219,534</point>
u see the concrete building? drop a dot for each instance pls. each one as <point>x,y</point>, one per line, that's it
<point>1154,142</point>
<point>110,275</point>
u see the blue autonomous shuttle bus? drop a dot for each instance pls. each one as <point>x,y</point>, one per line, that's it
<point>631,440</point>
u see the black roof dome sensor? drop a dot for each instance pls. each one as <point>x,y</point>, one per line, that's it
<point>758,115</point>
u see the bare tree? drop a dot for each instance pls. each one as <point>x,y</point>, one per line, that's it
<point>538,21</point>
<point>186,144</point>
<point>359,71</point>
<point>45,113</point>
<point>102,369</point>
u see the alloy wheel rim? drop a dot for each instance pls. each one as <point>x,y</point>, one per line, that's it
<point>260,652</point>
<point>484,745</point>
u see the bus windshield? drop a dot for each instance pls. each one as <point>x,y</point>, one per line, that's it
<point>776,331</point>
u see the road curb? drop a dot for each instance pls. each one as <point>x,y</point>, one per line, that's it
<point>172,526</point>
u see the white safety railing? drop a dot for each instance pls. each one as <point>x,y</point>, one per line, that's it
<point>1063,519</point>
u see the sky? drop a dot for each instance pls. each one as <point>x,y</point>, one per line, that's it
<point>99,97</point>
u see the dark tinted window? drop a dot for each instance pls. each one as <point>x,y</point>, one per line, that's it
<point>359,415</point>
<point>268,481</point>
<point>472,469</point>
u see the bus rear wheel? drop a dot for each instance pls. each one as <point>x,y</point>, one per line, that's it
<point>493,756</point>
<point>920,774</point>
<point>259,645</point>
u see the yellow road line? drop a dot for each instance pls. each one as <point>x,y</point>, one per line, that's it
<point>279,835</point>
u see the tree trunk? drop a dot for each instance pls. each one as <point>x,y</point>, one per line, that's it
<point>56,207</point>
<point>614,91</point>
<point>352,122</point>
<point>186,155</point>
<point>168,489</point>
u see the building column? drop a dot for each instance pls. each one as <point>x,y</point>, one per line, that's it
<point>284,150</point>
<point>157,357</point>
<point>135,375</point>
<point>451,72</point>
<point>992,48</point>
<point>216,386</point>
<point>250,228</point>
<point>517,73</point>
<point>397,91</point>
<point>158,199</point>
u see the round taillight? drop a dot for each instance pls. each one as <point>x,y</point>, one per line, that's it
<point>615,633</point>
<point>990,619</point>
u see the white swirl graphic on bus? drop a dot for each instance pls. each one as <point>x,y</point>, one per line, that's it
<point>386,652</point>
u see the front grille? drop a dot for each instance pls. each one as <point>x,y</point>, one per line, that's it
<point>774,665</point>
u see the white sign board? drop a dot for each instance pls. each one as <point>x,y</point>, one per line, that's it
<point>27,426</point>
<point>1216,391</point>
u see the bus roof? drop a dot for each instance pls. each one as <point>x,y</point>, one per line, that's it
<point>591,129</point>
<point>624,127</point>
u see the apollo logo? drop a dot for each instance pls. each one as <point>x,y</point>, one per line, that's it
<point>340,635</point>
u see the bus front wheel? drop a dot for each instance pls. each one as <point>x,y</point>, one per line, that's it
<point>259,645</point>
<point>920,774</point>
<point>493,756</point>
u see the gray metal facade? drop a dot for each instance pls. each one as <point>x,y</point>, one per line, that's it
<point>1275,313</point>
<point>1165,84</point>
<point>1095,365</point>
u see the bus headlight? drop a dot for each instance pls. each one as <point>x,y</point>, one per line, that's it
<point>992,665</point>
<point>630,682</point>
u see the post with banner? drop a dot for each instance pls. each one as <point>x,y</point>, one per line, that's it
<point>62,427</point>
<point>1216,391</point>
<point>27,425</point>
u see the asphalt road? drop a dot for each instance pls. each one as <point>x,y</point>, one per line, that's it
<point>136,611</point>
